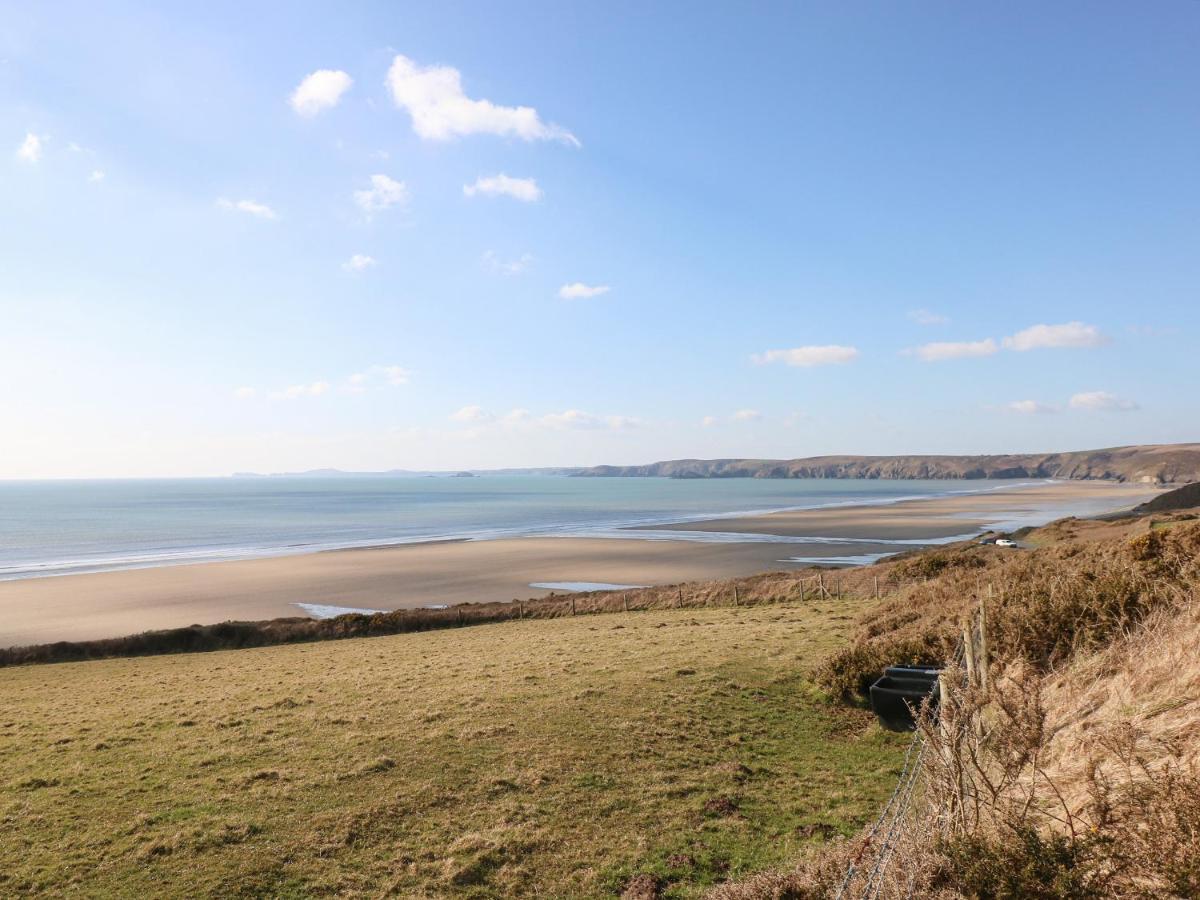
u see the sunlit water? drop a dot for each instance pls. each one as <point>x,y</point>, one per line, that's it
<point>56,528</point>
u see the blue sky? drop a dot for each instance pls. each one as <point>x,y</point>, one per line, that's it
<point>721,230</point>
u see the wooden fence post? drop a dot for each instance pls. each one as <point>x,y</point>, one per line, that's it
<point>983,643</point>
<point>679,599</point>
<point>625,602</point>
<point>839,587</point>
<point>969,647</point>
<point>460,616</point>
<point>736,602</point>
<point>522,602</point>
<point>876,587</point>
<point>801,590</point>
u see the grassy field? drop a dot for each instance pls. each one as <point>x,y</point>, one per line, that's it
<point>537,758</point>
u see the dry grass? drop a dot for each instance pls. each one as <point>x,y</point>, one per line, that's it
<point>1077,774</point>
<point>1045,607</point>
<point>529,758</point>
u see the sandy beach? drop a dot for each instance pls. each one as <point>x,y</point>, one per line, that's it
<point>77,607</point>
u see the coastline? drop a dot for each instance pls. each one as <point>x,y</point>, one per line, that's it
<point>106,604</point>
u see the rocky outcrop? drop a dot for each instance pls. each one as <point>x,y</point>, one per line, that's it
<point>1152,464</point>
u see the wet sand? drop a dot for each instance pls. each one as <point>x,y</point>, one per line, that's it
<point>79,607</point>
<point>941,517</point>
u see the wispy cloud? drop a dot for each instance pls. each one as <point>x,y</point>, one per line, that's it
<point>524,189</point>
<point>747,415</point>
<point>321,90</point>
<point>295,391</point>
<point>395,376</point>
<point>1031,407</point>
<point>927,317</point>
<point>493,263</point>
<point>708,421</point>
<point>359,262</point>
<point>30,149</point>
<point>1101,401</point>
<point>580,291</point>
<point>250,207</point>
<point>355,383</point>
<point>473,414</point>
<point>433,96</point>
<point>383,193</point>
<point>941,350</point>
<point>96,176</point>
<point>1069,334</point>
<point>807,357</point>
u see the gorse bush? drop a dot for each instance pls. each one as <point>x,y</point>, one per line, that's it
<point>1025,866</point>
<point>1042,606</point>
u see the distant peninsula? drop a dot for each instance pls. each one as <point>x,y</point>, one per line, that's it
<point>1147,463</point>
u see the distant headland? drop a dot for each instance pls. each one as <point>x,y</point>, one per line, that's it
<point>1147,463</point>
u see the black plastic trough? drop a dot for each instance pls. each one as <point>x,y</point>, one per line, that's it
<point>898,694</point>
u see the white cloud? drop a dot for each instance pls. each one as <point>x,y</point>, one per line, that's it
<point>319,91</point>
<point>472,413</point>
<point>806,357</point>
<point>383,193</point>
<point>244,393</point>
<point>356,383</point>
<point>393,375</point>
<point>97,175</point>
<point>927,317</point>
<point>516,416</point>
<point>359,262</point>
<point>1069,334</point>
<point>250,207</point>
<point>440,110</point>
<point>578,290</point>
<point>524,189</point>
<point>315,389</point>
<point>30,150</point>
<point>747,415</point>
<point>708,421</point>
<point>1101,401</point>
<point>941,350</point>
<point>511,267</point>
<point>1030,407</point>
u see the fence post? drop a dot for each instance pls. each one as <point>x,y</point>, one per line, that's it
<point>460,616</point>
<point>876,587</point>
<point>802,591</point>
<point>839,587</point>
<point>572,604</point>
<point>983,643</point>
<point>625,602</point>
<point>679,599</point>
<point>969,647</point>
<point>522,602</point>
<point>736,602</point>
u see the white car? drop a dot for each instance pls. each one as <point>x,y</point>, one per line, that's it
<point>1005,542</point>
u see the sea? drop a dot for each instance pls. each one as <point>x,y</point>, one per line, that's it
<point>52,528</point>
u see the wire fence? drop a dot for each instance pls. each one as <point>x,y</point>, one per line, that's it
<point>866,875</point>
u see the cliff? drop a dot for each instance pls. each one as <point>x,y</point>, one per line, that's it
<point>1150,463</point>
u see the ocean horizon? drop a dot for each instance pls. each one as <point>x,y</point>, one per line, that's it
<point>50,528</point>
